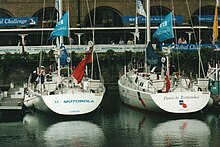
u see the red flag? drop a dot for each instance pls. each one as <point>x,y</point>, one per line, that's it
<point>167,83</point>
<point>79,71</point>
<point>88,57</point>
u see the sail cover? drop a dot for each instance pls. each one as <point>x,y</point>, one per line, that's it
<point>152,58</point>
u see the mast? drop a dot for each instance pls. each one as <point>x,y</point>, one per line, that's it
<point>60,16</point>
<point>93,38</point>
<point>61,38</point>
<point>148,29</point>
<point>199,39</point>
<point>136,33</point>
<point>148,21</point>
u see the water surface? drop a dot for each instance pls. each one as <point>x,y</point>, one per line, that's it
<point>112,125</point>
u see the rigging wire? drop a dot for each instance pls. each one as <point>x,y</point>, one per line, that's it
<point>41,52</point>
<point>199,36</point>
<point>69,36</point>
<point>42,32</point>
<point>175,32</point>
<point>194,34</point>
<point>42,24</point>
<point>90,20</point>
<point>93,35</point>
<point>161,9</point>
<point>191,22</point>
<point>97,59</point>
<point>94,16</point>
<point>200,59</point>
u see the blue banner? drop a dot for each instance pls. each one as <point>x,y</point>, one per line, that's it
<point>190,47</point>
<point>18,21</point>
<point>153,19</point>
<point>207,18</point>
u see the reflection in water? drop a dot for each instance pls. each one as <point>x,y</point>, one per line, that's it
<point>138,128</point>
<point>213,122</point>
<point>77,133</point>
<point>112,125</point>
<point>8,134</point>
<point>16,116</point>
<point>128,128</point>
<point>67,133</point>
<point>182,132</point>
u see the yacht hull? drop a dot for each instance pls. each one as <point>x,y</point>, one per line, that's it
<point>173,102</point>
<point>64,104</point>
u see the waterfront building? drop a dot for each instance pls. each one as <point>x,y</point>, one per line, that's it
<point>114,19</point>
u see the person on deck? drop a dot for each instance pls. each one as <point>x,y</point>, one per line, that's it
<point>184,41</point>
<point>34,79</point>
<point>130,41</point>
<point>33,76</point>
<point>121,41</point>
<point>180,40</point>
<point>42,75</point>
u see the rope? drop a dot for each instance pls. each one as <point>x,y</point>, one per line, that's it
<point>90,20</point>
<point>191,22</point>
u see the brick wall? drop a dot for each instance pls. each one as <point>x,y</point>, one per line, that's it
<point>26,8</point>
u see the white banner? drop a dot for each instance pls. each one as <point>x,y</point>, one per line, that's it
<point>10,49</point>
<point>75,48</point>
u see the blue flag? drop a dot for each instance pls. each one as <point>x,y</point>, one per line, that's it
<point>61,28</point>
<point>165,30</point>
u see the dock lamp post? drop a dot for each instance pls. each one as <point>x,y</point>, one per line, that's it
<point>189,34</point>
<point>22,40</point>
<point>79,37</point>
<point>134,34</point>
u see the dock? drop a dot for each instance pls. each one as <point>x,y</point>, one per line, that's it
<point>11,98</point>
